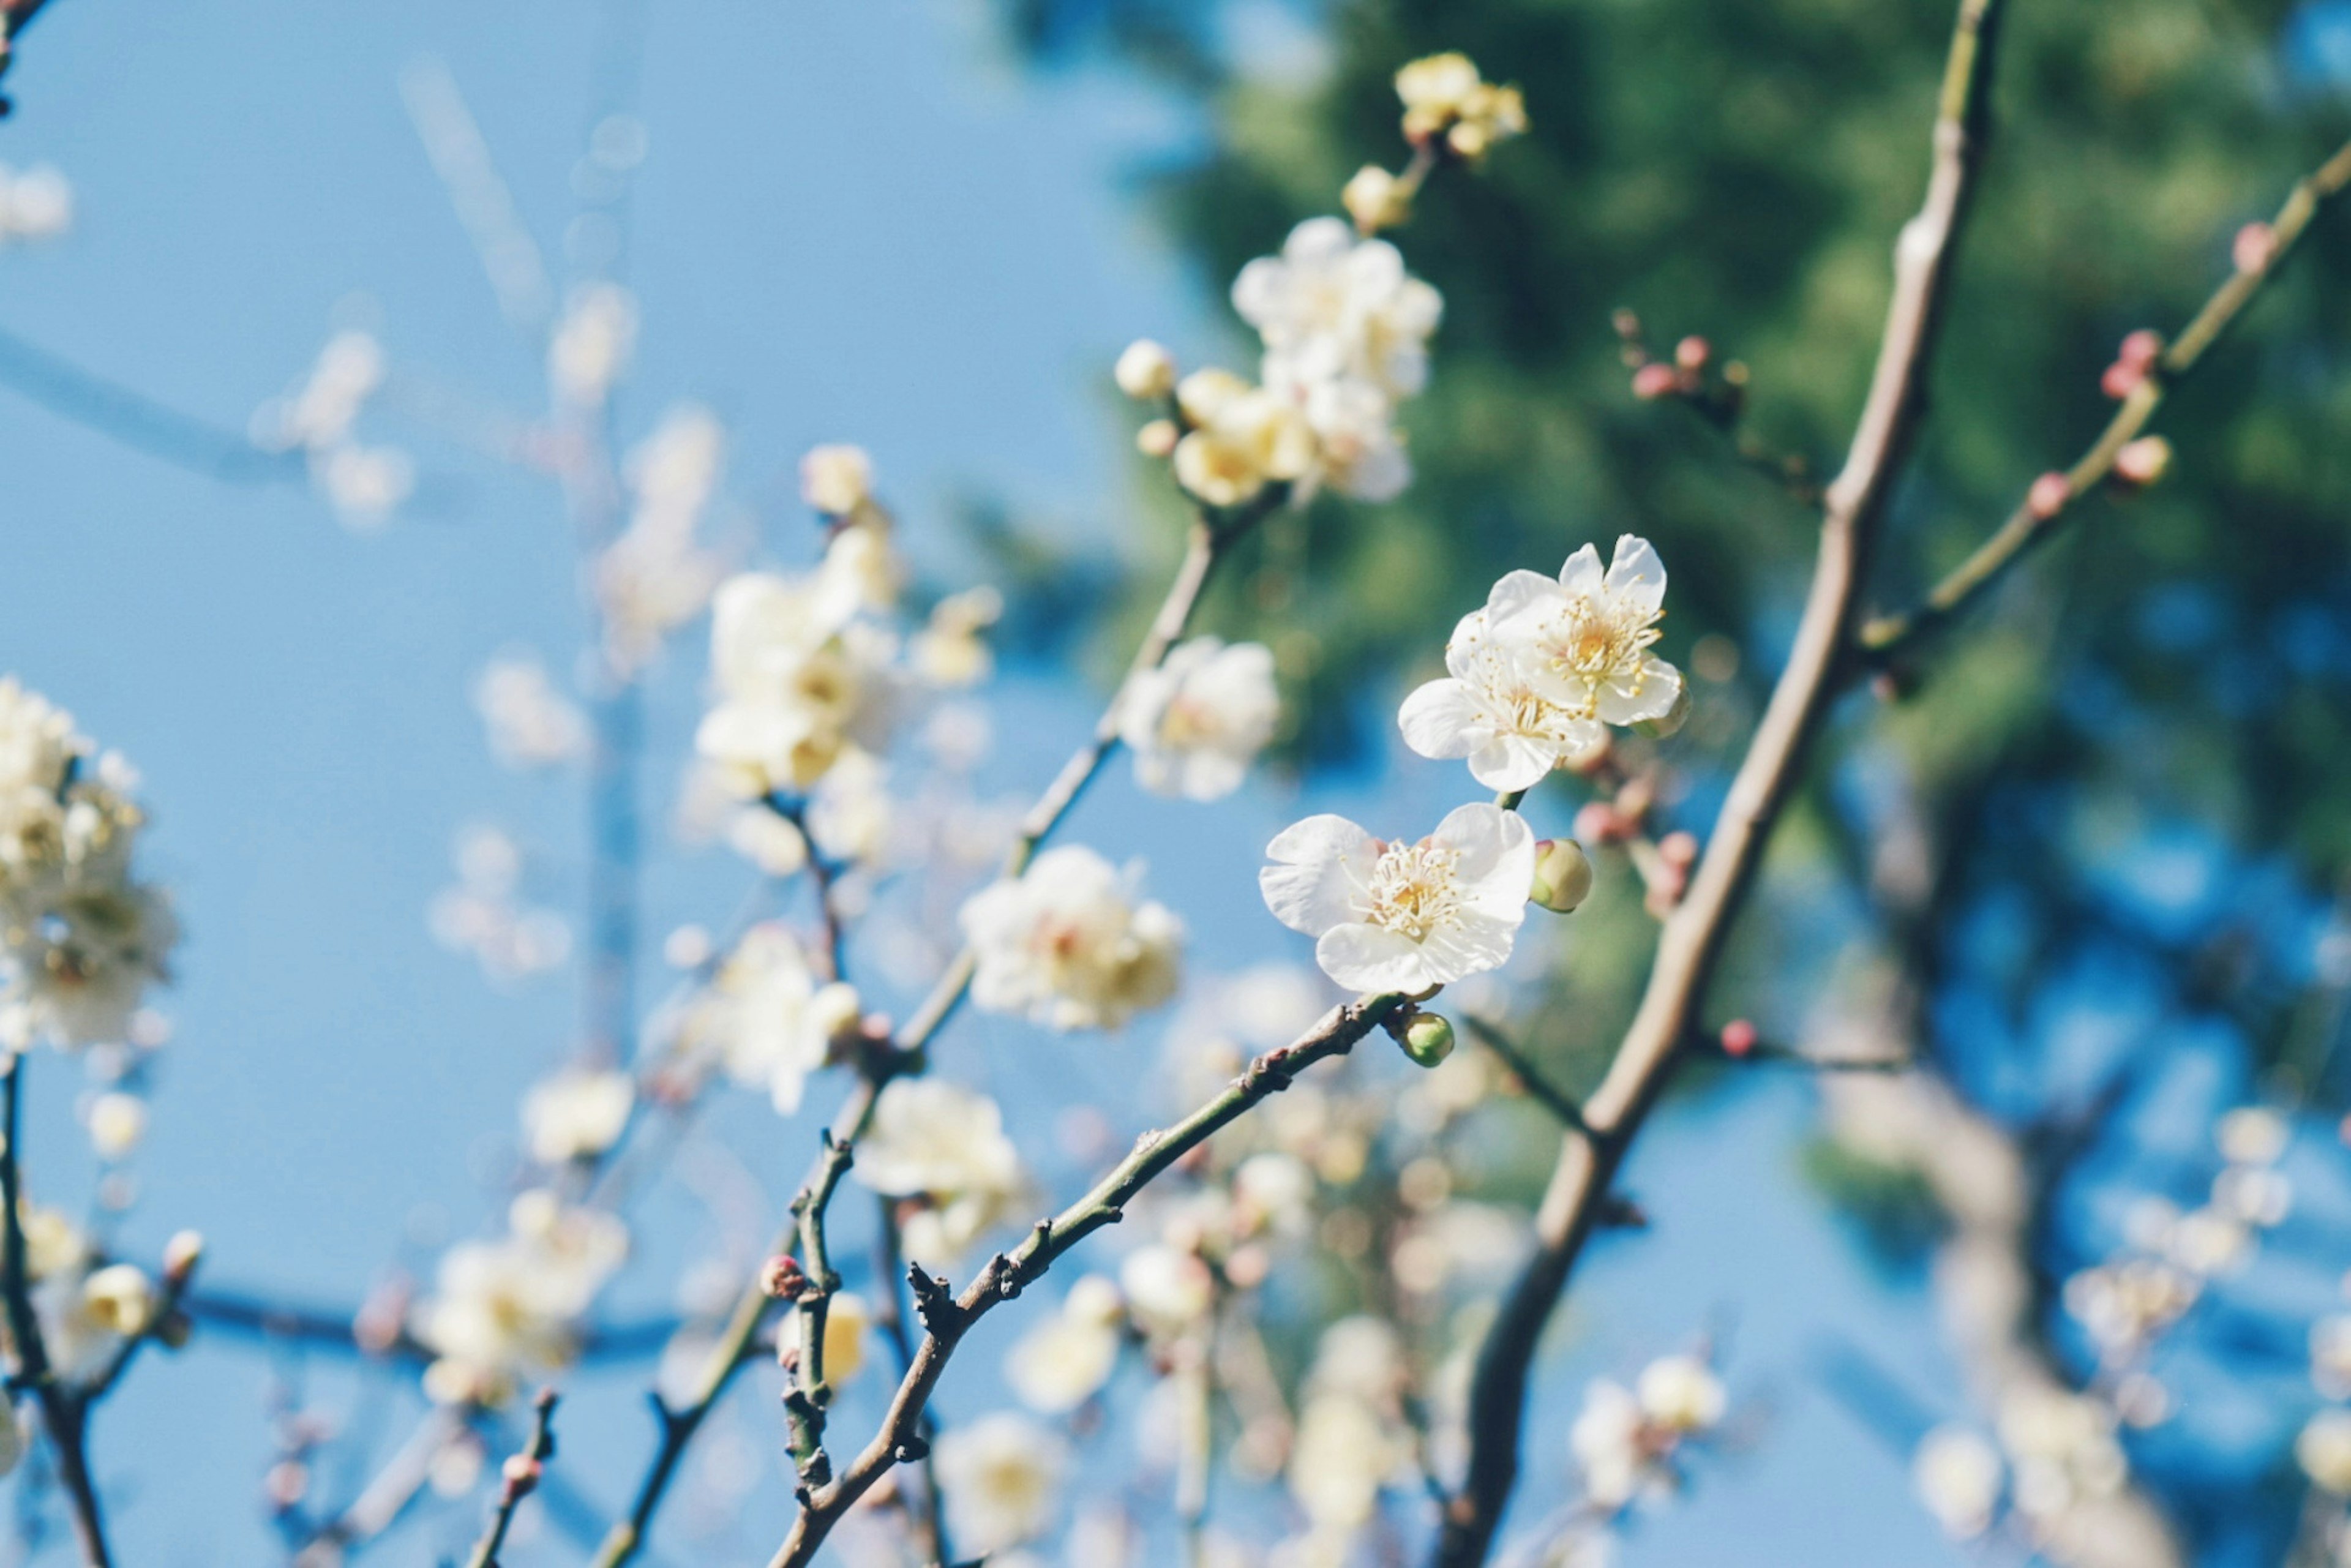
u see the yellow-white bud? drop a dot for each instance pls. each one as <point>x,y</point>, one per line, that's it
<point>837,480</point>
<point>1158,438</point>
<point>1145,370</point>
<point>1375,199</point>
<point>181,1253</point>
<point>119,1298</point>
<point>1562,875</point>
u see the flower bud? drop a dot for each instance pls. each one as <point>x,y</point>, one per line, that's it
<point>2143,461</point>
<point>521,1474</point>
<point>1655,381</point>
<point>836,480</point>
<point>1145,370</point>
<point>179,1255</point>
<point>1158,438</point>
<point>2048,496</point>
<point>1692,353</point>
<point>1737,1038</point>
<point>1427,1039</point>
<point>2140,349</point>
<point>782,1279</point>
<point>1562,875</point>
<point>1672,719</point>
<point>1375,199</point>
<point>2254,245</point>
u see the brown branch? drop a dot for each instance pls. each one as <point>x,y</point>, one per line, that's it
<point>64,1416</point>
<point>948,1317</point>
<point>519,1479</point>
<point>1695,931</point>
<point>1888,636</point>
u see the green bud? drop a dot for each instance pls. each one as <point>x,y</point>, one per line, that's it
<point>1562,875</point>
<point>1427,1039</point>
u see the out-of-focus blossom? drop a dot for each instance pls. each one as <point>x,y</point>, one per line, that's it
<point>117,1122</point>
<point>2323,1451</point>
<point>657,576</point>
<point>591,345</point>
<point>1068,1357</point>
<point>943,1145</point>
<point>837,480</point>
<point>1067,943</point>
<point>1199,720</point>
<point>36,204</point>
<point>506,1309</point>
<point>1167,1289</point>
<point>949,651</point>
<point>1444,95</point>
<point>365,484</point>
<point>578,1114</point>
<point>768,1018</point>
<point>1242,439</point>
<point>1002,1476</point>
<point>799,681</point>
<point>1403,916</point>
<point>1333,306</point>
<point>530,723</point>
<point>482,915</point>
<point>1958,1475</point>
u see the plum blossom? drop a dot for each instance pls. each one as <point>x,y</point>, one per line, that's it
<point>1068,943</point>
<point>655,576</point>
<point>530,723</point>
<point>591,345</point>
<point>510,1307</point>
<point>36,204</point>
<point>1000,1475</point>
<point>1199,720</point>
<point>1242,438</point>
<point>1443,94</point>
<point>1399,916</point>
<point>1486,709</point>
<point>800,680</point>
<point>81,939</point>
<point>944,1146</point>
<point>577,1114</point>
<point>1584,642</point>
<point>1625,1438</point>
<point>1067,1358</point>
<point>767,1017</point>
<point>1958,1475</point>
<point>1333,306</point>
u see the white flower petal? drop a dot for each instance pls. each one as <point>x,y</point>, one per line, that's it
<point>1511,762</point>
<point>1321,866</point>
<point>1581,574</point>
<point>1442,718</point>
<point>1636,573</point>
<point>1370,959</point>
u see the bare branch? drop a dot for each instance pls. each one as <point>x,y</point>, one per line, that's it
<point>519,1479</point>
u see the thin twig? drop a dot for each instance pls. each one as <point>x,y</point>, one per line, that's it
<point>1693,935</point>
<point>947,1317</point>
<point>1888,636</point>
<point>62,1414</point>
<point>519,1479</point>
<point>1539,1088</point>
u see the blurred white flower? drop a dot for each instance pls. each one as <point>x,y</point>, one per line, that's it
<point>510,1307</point>
<point>799,681</point>
<point>482,915</point>
<point>117,1122</point>
<point>1958,1475</point>
<point>1583,643</point>
<point>1242,439</point>
<point>656,577</point>
<point>949,651</point>
<point>35,204</point>
<point>1068,1357</point>
<point>1199,720</point>
<point>577,1114</point>
<point>1443,94</point>
<point>591,345</point>
<point>767,1017</point>
<point>2323,1451</point>
<point>1067,943</point>
<point>942,1143</point>
<point>1002,1475</point>
<point>1398,916</point>
<point>1680,1394</point>
<point>1167,1289</point>
<point>837,480</point>
<point>1333,306</point>
<point>530,723</point>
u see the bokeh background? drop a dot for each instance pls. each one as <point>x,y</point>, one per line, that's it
<point>2094,853</point>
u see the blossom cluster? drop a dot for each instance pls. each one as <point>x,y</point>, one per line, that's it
<point>319,418</point>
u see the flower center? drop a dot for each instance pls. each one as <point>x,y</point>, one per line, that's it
<point>1415,889</point>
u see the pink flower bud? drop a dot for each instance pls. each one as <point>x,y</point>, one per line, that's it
<point>2253,248</point>
<point>2143,461</point>
<point>1737,1038</point>
<point>1678,850</point>
<point>1692,353</point>
<point>1654,381</point>
<point>1597,822</point>
<point>522,1473</point>
<point>2121,379</point>
<point>2048,496</point>
<point>782,1278</point>
<point>2141,349</point>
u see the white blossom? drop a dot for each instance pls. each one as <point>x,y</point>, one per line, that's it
<point>1243,438</point>
<point>1486,709</point>
<point>1680,1394</point>
<point>577,1114</point>
<point>1167,1289</point>
<point>656,577</point>
<point>1068,943</point>
<point>934,1141</point>
<point>1444,94</point>
<point>1199,720</point>
<point>510,1307</point>
<point>1331,305</point>
<point>1958,1475</point>
<point>799,681</point>
<point>769,1019</point>
<point>1002,1475</point>
<point>530,723</point>
<point>483,914</point>
<point>36,204</point>
<point>1403,916</point>
<point>2323,1451</point>
<point>1068,1357</point>
<point>837,479</point>
<point>591,345</point>
<point>1584,642</point>
<point>117,1122</point>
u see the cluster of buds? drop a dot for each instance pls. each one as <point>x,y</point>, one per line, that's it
<point>1715,388</point>
<point>1665,864</point>
<point>1449,106</point>
<point>1230,438</point>
<point>2134,361</point>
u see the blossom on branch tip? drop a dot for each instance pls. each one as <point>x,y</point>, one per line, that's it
<point>836,479</point>
<point>1487,708</point>
<point>577,1114</point>
<point>1068,943</point>
<point>1375,199</point>
<point>1242,439</point>
<point>1196,721</point>
<point>1443,94</point>
<point>800,680</point>
<point>1959,1475</point>
<point>1403,916</point>
<point>1145,372</point>
<point>1335,305</point>
<point>769,1018</point>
